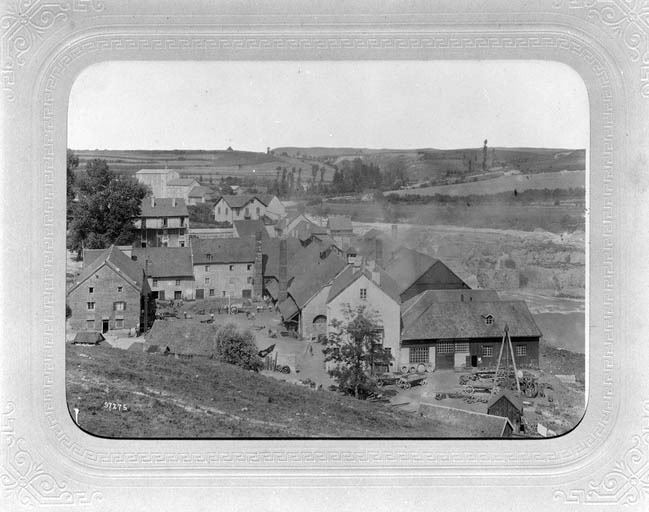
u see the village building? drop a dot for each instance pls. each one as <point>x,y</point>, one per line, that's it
<point>163,222</point>
<point>168,270</point>
<point>224,267</point>
<point>238,207</point>
<point>248,228</point>
<point>340,229</point>
<point>506,404</point>
<point>200,194</point>
<point>468,423</point>
<point>157,179</point>
<point>111,293</point>
<point>465,333</point>
<point>416,272</point>
<point>180,188</point>
<point>305,308</point>
<point>275,209</point>
<point>289,226</point>
<point>374,290</point>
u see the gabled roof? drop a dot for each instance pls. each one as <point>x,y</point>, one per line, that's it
<point>163,207</point>
<point>297,256</point>
<point>321,273</point>
<point>288,308</point>
<point>407,265</point>
<point>238,200</point>
<point>184,336</point>
<point>121,264</point>
<point>339,223</point>
<point>468,423</point>
<point>249,228</point>
<point>181,182</point>
<point>412,308</point>
<point>223,250</point>
<point>88,337</point>
<point>352,273</point>
<point>200,191</point>
<point>448,320</point>
<point>509,395</point>
<point>164,261</point>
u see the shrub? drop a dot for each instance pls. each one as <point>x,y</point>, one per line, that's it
<point>238,348</point>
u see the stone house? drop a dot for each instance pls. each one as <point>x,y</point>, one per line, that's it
<point>238,207</point>
<point>163,222</point>
<point>111,293</point>
<point>168,270</point>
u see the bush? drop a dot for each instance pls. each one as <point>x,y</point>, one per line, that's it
<point>238,348</point>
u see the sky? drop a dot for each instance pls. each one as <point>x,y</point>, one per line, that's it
<point>364,104</point>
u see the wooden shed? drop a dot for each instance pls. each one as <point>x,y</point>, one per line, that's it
<point>507,405</point>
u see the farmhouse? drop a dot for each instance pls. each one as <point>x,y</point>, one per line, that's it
<point>372,289</point>
<point>224,267</point>
<point>238,207</point>
<point>466,333</point>
<point>157,180</point>
<point>199,194</point>
<point>110,293</point>
<point>416,272</point>
<point>168,270</point>
<point>162,222</point>
<point>275,209</point>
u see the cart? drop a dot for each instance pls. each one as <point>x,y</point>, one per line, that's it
<point>411,379</point>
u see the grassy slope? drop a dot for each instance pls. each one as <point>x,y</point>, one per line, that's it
<point>170,398</point>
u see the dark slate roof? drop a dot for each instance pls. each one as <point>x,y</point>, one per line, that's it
<point>265,198</point>
<point>509,395</point>
<point>223,250</point>
<point>412,308</point>
<point>238,200</point>
<point>288,308</point>
<point>448,320</point>
<point>407,265</point>
<point>326,240</point>
<point>163,207</point>
<point>181,182</point>
<point>200,191</point>
<point>120,263</point>
<point>339,223</point>
<point>468,423</point>
<point>352,273</point>
<point>164,261</point>
<point>321,273</point>
<point>249,228</point>
<point>90,255</point>
<point>297,256</point>
<point>93,337</point>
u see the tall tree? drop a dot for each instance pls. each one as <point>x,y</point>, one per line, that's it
<point>72,164</point>
<point>106,209</point>
<point>354,346</point>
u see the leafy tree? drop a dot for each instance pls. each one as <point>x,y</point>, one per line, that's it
<point>107,205</point>
<point>237,347</point>
<point>72,164</point>
<point>354,346</point>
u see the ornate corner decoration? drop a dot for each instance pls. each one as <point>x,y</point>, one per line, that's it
<point>25,479</point>
<point>25,24</point>
<point>628,20</point>
<point>627,483</point>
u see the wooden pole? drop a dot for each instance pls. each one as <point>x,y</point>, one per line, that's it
<point>511,348</point>
<point>500,354</point>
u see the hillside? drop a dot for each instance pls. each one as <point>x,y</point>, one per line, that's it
<point>189,398</point>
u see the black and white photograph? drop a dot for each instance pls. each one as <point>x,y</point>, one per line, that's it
<point>321,249</point>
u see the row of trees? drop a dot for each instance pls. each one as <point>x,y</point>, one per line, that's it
<point>101,205</point>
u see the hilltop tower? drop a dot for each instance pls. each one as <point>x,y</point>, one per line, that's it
<point>484,156</point>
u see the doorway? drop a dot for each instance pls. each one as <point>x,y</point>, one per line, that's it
<point>104,326</point>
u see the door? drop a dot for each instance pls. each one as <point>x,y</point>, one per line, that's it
<point>104,326</point>
<point>161,295</point>
<point>178,295</point>
<point>445,355</point>
<point>246,294</point>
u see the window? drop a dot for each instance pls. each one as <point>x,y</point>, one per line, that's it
<point>487,351</point>
<point>90,306</point>
<point>90,324</point>
<point>250,280</point>
<point>207,280</point>
<point>249,266</point>
<point>231,268</point>
<point>363,293</point>
<point>247,212</point>
<point>521,350</point>
<point>177,282</point>
<point>445,347</point>
<point>164,222</point>
<point>119,306</point>
<point>119,289</point>
<point>462,348</point>
<point>211,292</point>
<point>488,319</point>
<point>257,211</point>
<point>207,268</point>
<point>155,283</point>
<point>208,256</point>
<point>224,293</point>
<point>418,354</point>
<point>218,210</point>
<point>119,323</point>
<point>91,290</point>
<point>227,211</point>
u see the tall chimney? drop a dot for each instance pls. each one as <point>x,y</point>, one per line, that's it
<point>378,252</point>
<point>283,270</point>
<point>173,202</point>
<point>259,275</point>
<point>152,201</point>
<point>394,230</point>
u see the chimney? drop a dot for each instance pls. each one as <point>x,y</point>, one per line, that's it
<point>283,270</point>
<point>378,252</point>
<point>259,275</point>
<point>152,201</point>
<point>173,202</point>
<point>394,231</point>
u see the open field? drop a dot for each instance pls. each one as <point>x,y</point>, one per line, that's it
<point>518,182</point>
